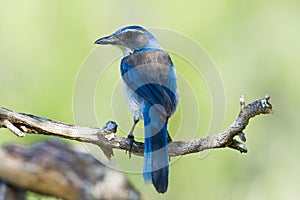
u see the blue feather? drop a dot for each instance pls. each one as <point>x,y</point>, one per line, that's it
<point>156,162</point>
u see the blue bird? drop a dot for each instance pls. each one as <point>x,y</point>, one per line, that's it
<point>150,90</point>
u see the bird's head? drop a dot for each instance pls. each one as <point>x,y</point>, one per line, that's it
<point>130,39</point>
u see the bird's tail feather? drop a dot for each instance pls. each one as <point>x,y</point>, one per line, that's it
<point>156,163</point>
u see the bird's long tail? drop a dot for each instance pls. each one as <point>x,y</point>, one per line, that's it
<point>156,163</point>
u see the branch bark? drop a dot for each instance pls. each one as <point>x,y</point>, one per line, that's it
<point>53,168</point>
<point>106,138</point>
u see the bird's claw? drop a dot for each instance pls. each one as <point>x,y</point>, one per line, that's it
<point>130,139</point>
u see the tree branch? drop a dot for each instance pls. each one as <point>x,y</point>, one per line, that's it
<point>53,168</point>
<point>106,138</point>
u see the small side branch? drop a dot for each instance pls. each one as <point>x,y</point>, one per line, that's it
<point>107,140</point>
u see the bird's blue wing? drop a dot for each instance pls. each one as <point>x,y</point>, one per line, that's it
<point>152,76</point>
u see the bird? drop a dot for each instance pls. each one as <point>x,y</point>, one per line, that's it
<point>150,89</point>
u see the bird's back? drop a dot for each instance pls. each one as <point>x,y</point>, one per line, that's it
<point>151,75</point>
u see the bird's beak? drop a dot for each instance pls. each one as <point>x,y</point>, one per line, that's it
<point>111,39</point>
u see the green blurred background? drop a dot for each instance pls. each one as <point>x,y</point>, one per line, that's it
<point>255,45</point>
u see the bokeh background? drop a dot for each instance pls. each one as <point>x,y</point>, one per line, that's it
<point>254,44</point>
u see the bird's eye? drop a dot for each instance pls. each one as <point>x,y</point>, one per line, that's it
<point>128,34</point>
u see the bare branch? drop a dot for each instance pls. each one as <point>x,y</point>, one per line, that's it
<point>20,123</point>
<point>53,168</point>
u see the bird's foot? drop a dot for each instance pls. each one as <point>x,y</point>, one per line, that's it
<point>130,139</point>
<point>169,139</point>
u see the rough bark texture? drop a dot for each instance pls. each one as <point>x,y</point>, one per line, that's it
<point>53,168</point>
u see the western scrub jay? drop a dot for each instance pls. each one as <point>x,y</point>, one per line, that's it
<point>150,90</point>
